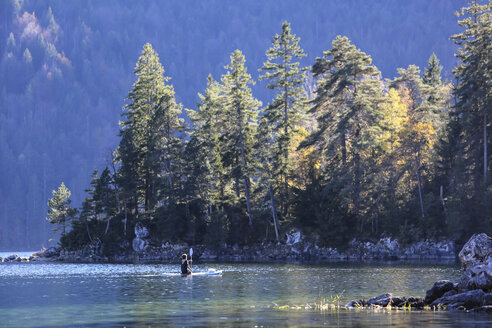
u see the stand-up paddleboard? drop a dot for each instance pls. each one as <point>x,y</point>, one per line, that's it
<point>210,272</point>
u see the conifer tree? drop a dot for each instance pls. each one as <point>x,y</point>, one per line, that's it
<point>432,73</point>
<point>287,110</point>
<point>465,151</point>
<point>265,151</point>
<point>347,108</point>
<point>59,210</point>
<point>240,125</point>
<point>473,107</point>
<point>149,148</point>
<point>204,147</point>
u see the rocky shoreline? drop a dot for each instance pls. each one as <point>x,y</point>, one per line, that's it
<point>294,250</point>
<point>473,293</point>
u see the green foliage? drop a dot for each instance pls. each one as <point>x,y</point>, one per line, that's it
<point>348,107</point>
<point>240,126</point>
<point>284,115</point>
<point>60,213</point>
<point>377,158</point>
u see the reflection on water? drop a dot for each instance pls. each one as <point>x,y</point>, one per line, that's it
<point>36,295</point>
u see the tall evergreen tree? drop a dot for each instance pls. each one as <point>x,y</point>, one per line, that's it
<point>469,136</point>
<point>240,125</point>
<point>204,147</point>
<point>473,92</point>
<point>149,148</point>
<point>347,106</point>
<point>286,112</point>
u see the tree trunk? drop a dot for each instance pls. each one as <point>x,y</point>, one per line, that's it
<point>244,173</point>
<point>88,232</point>
<point>485,148</point>
<point>107,226</point>
<point>344,148</point>
<point>125,220</point>
<point>417,172</point>
<point>274,212</point>
<point>248,203</point>
<point>441,195</point>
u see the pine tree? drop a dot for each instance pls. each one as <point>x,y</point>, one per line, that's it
<point>150,148</point>
<point>347,107</point>
<point>287,110</point>
<point>432,74</point>
<point>473,107</point>
<point>204,148</point>
<point>467,145</point>
<point>59,210</point>
<point>240,125</point>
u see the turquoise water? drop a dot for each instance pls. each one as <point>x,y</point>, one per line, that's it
<point>246,295</point>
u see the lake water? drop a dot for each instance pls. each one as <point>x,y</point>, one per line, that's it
<point>20,254</point>
<point>246,295</point>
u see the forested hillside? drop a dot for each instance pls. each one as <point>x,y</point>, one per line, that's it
<point>66,69</point>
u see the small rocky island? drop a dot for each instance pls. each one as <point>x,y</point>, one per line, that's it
<point>473,293</point>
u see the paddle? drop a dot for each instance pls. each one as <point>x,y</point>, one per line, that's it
<point>191,257</point>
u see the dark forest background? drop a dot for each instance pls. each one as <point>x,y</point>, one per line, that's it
<point>66,68</point>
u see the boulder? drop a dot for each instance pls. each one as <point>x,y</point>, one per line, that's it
<point>483,309</point>
<point>51,252</point>
<point>141,231</point>
<point>293,237</point>
<point>139,244</point>
<point>476,250</point>
<point>487,299</point>
<point>356,303</point>
<point>466,300</point>
<point>476,260</point>
<point>412,302</point>
<point>439,289</point>
<point>12,258</point>
<point>477,276</point>
<point>381,300</point>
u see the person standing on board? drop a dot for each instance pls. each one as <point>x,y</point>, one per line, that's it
<point>185,264</point>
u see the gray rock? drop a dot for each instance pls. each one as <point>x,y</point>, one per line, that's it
<point>12,258</point>
<point>139,245</point>
<point>293,237</point>
<point>141,231</point>
<point>438,290</point>
<point>477,249</point>
<point>51,252</point>
<point>477,276</point>
<point>450,293</point>
<point>482,309</point>
<point>356,303</point>
<point>412,302</point>
<point>487,299</point>
<point>381,300</point>
<point>468,300</point>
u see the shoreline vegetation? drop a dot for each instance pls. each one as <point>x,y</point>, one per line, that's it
<point>360,158</point>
